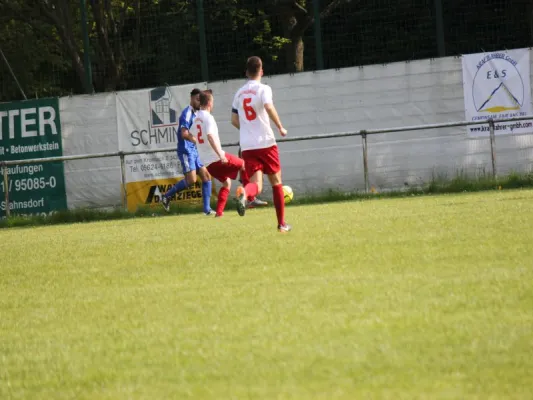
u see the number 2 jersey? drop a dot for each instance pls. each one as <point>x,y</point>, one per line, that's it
<point>249,103</point>
<point>202,125</point>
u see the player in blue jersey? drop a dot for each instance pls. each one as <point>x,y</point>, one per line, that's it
<point>189,159</point>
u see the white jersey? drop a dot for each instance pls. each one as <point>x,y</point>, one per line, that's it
<point>204,124</point>
<point>249,102</point>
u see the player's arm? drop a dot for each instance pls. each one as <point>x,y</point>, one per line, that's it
<point>273,114</point>
<point>187,135</point>
<point>235,112</point>
<point>235,118</point>
<point>266,98</point>
<point>216,148</point>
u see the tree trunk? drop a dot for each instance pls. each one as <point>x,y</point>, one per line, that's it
<point>295,49</point>
<point>295,54</point>
<point>79,67</point>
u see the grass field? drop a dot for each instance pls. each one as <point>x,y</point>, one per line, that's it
<point>415,298</point>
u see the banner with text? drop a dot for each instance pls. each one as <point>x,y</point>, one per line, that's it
<point>32,129</point>
<point>496,85</point>
<point>149,120</point>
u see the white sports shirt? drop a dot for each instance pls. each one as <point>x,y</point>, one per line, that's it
<point>249,102</point>
<point>204,124</point>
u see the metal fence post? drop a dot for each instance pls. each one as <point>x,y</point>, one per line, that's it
<point>492,147</point>
<point>440,28</point>
<point>6,188</point>
<point>365,160</point>
<point>123,177</point>
<point>86,56</point>
<point>203,44</point>
<point>318,35</point>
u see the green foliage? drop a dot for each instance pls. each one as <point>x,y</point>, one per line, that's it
<point>148,43</point>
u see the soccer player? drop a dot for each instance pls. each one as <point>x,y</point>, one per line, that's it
<point>244,179</point>
<point>251,109</point>
<point>189,159</point>
<point>221,165</point>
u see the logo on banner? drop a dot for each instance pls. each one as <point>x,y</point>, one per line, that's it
<point>162,113</point>
<point>155,193</point>
<point>497,85</point>
<point>160,127</point>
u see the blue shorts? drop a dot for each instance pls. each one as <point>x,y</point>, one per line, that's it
<point>190,161</point>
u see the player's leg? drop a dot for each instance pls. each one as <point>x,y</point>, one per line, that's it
<point>279,201</point>
<point>223,195</point>
<point>224,173</point>
<point>252,201</point>
<point>247,193</point>
<point>272,168</point>
<point>245,180</point>
<point>206,189</point>
<point>254,172</point>
<point>189,179</point>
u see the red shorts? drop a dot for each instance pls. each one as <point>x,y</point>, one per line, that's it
<point>223,171</point>
<point>266,160</point>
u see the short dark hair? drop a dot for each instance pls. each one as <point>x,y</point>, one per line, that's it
<point>195,91</point>
<point>205,96</point>
<point>253,65</point>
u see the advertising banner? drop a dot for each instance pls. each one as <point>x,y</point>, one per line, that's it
<point>497,85</point>
<point>149,120</point>
<point>32,129</point>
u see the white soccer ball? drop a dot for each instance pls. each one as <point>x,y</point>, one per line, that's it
<point>287,194</point>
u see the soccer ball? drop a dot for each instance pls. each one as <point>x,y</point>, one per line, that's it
<point>287,194</point>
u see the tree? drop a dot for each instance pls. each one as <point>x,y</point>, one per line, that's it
<point>32,58</point>
<point>272,29</point>
<point>59,22</point>
<point>296,17</point>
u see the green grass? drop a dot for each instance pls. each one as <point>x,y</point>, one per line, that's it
<point>440,184</point>
<point>416,298</point>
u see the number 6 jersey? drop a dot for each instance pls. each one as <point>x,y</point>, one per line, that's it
<point>249,103</point>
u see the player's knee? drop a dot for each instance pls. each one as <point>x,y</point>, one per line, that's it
<point>190,179</point>
<point>227,184</point>
<point>275,179</point>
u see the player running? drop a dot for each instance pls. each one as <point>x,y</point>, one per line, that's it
<point>189,159</point>
<point>251,109</point>
<point>221,165</point>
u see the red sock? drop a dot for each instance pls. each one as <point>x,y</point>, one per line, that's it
<point>222,200</point>
<point>279,203</point>
<point>245,180</point>
<point>251,190</point>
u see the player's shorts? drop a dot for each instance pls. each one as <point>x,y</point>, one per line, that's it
<point>190,161</point>
<point>222,171</point>
<point>266,160</point>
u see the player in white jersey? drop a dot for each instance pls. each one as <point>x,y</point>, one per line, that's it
<point>252,111</point>
<point>221,165</point>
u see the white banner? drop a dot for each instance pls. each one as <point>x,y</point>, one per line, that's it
<point>148,120</point>
<point>88,126</point>
<point>496,85</point>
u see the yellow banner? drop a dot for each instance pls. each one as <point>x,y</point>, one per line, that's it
<point>148,193</point>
